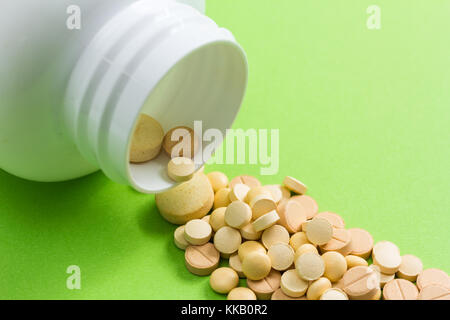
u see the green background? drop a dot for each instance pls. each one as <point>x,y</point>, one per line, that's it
<point>364,122</point>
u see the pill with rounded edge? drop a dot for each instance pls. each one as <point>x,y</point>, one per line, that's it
<point>278,192</point>
<point>266,221</point>
<point>304,248</point>
<point>386,255</point>
<point>295,185</point>
<point>248,232</point>
<point>310,266</point>
<point>239,192</point>
<point>217,219</point>
<point>383,278</point>
<point>317,288</point>
<point>180,141</point>
<point>400,289</point>
<point>433,276</point>
<point>236,264</point>
<point>147,140</point>
<point>308,203</point>
<point>180,169</point>
<point>334,294</point>
<point>250,246</point>
<point>227,240</point>
<point>202,260</point>
<point>241,293</point>
<point>222,198</point>
<point>292,285</point>
<point>250,181</point>
<point>335,219</point>
<point>281,256</point>
<point>218,180</point>
<point>319,231</point>
<point>360,283</point>
<point>362,243</point>
<point>197,232</point>
<point>274,234</point>
<point>434,292</point>
<point>410,267</point>
<point>264,288</point>
<point>261,205</point>
<point>238,214</point>
<point>280,295</point>
<point>298,239</point>
<point>256,265</point>
<point>292,216</point>
<point>256,192</point>
<point>340,242</point>
<point>335,265</point>
<point>223,280</point>
<point>179,239</point>
<point>353,261</point>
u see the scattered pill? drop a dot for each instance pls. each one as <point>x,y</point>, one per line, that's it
<point>217,219</point>
<point>258,191</point>
<point>292,285</point>
<point>223,280</point>
<point>238,214</point>
<point>281,256</point>
<point>218,180</point>
<point>310,266</point>
<point>222,198</point>
<point>197,232</point>
<point>227,240</point>
<point>354,261</point>
<point>308,203</point>
<point>241,293</point>
<point>319,231</point>
<point>317,288</point>
<point>256,265</point>
<point>277,193</point>
<point>179,239</point>
<point>433,276</point>
<point>362,243</point>
<point>264,288</point>
<point>340,242</point>
<point>202,260</point>
<point>261,205</point>
<point>305,248</point>
<point>400,289</point>
<point>266,221</point>
<point>292,216</point>
<point>250,181</point>
<point>294,185</point>
<point>386,255</point>
<point>180,169</point>
<point>335,265</point>
<point>248,232</point>
<point>248,247</point>
<point>335,219</point>
<point>275,234</point>
<point>334,294</point>
<point>434,292</point>
<point>180,142</point>
<point>236,264</point>
<point>360,283</point>
<point>410,268</point>
<point>239,192</point>
<point>298,239</point>
<point>383,278</point>
<point>147,140</point>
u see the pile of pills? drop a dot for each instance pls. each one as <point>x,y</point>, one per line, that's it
<point>179,143</point>
<point>275,237</point>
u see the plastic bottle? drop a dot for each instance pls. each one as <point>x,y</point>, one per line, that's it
<point>70,94</point>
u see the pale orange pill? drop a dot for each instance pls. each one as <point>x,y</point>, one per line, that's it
<point>308,203</point>
<point>433,276</point>
<point>360,283</point>
<point>295,185</point>
<point>400,289</point>
<point>362,243</point>
<point>292,216</point>
<point>340,242</point>
<point>319,231</point>
<point>335,219</point>
<point>410,267</point>
<point>434,292</point>
<point>202,260</point>
<point>264,288</point>
<point>250,181</point>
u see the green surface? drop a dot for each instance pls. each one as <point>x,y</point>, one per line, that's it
<point>364,121</point>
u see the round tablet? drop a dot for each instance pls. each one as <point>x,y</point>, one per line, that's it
<point>308,203</point>
<point>383,278</point>
<point>354,261</point>
<point>360,283</point>
<point>218,180</point>
<point>250,181</point>
<point>217,219</point>
<point>180,142</point>
<point>274,234</point>
<point>258,191</point>
<point>292,285</point>
<point>266,221</point>
<point>277,192</point>
<point>281,256</point>
<point>264,288</point>
<point>335,265</point>
<point>202,260</point>
<point>223,280</point>
<point>241,293</point>
<point>180,169</point>
<point>256,265</point>
<point>298,239</point>
<point>410,268</point>
<point>340,242</point>
<point>335,219</point>
<point>238,214</point>
<point>386,255</point>
<point>248,232</point>
<point>362,243</point>
<point>319,231</point>
<point>334,294</point>
<point>261,205</point>
<point>147,139</point>
<point>433,276</point>
<point>227,240</point>
<point>292,216</point>
<point>304,248</point>
<point>310,266</point>
<point>250,246</point>
<point>280,295</point>
<point>400,289</point>
<point>317,288</point>
<point>239,192</point>
<point>178,237</point>
<point>197,232</point>
<point>434,292</point>
<point>294,185</point>
<point>222,198</point>
<point>236,264</point>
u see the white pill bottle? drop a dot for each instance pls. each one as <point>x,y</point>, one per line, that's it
<point>76,74</point>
